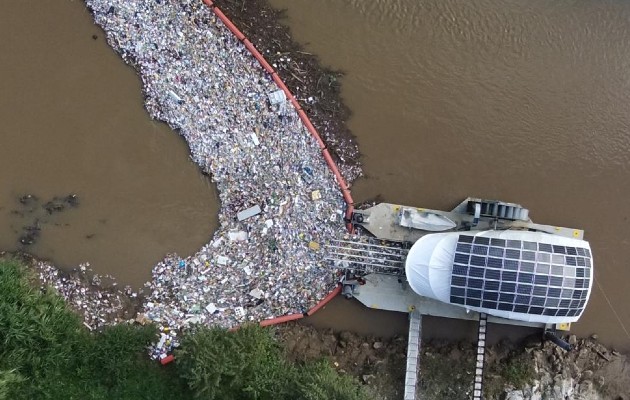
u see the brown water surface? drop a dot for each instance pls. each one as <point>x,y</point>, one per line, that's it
<point>72,121</point>
<point>523,101</point>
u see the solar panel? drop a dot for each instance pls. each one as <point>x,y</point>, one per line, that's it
<point>520,276</point>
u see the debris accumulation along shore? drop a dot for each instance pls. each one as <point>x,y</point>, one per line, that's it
<point>203,82</point>
<point>590,371</point>
<point>279,200</point>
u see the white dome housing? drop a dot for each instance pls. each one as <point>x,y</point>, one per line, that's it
<point>519,275</point>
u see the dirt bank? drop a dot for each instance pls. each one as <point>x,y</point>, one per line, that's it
<point>528,370</point>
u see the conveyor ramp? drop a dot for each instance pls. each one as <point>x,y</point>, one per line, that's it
<point>413,355</point>
<point>367,257</point>
<point>481,355</point>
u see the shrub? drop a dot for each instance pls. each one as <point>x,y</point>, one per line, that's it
<point>46,352</point>
<point>320,381</point>
<point>248,364</point>
<point>245,364</point>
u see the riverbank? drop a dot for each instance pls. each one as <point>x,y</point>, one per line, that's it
<point>515,371</point>
<point>524,371</point>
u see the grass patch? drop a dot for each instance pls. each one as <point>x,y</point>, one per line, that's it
<point>249,364</point>
<point>46,352</point>
<point>515,370</point>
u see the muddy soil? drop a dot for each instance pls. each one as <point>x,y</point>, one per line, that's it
<point>531,368</point>
<point>376,363</point>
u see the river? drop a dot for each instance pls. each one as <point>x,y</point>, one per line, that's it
<point>72,121</point>
<point>519,101</point>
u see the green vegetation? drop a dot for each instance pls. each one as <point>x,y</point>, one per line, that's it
<point>249,364</point>
<point>46,353</point>
<point>515,370</point>
<point>519,370</point>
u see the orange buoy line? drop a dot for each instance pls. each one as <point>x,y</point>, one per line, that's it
<point>279,320</point>
<point>326,299</point>
<point>343,186</point>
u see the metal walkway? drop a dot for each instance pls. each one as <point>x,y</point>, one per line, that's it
<point>481,355</point>
<point>413,354</point>
<point>367,257</point>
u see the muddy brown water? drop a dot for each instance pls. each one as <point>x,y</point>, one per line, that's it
<point>72,121</point>
<point>520,101</point>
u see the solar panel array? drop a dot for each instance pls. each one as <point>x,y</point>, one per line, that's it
<point>520,276</point>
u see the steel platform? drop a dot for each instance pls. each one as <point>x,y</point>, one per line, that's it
<point>391,293</point>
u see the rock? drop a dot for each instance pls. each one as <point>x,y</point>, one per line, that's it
<point>532,341</point>
<point>588,374</point>
<point>345,336</point>
<point>366,378</point>
<point>594,336</point>
<point>377,345</point>
<point>514,395</point>
<point>600,380</point>
<point>572,340</point>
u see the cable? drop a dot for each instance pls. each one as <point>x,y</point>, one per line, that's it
<point>613,309</point>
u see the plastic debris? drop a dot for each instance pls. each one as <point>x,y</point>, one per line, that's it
<point>175,97</point>
<point>248,213</point>
<point>239,311</point>
<point>237,235</point>
<point>244,133</point>
<point>211,308</point>
<point>257,293</point>
<point>255,139</point>
<point>222,260</point>
<point>277,97</point>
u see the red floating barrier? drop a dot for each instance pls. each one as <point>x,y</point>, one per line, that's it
<point>281,84</point>
<point>322,303</point>
<point>349,211</point>
<point>261,60</point>
<point>280,320</point>
<point>333,167</point>
<point>295,103</point>
<point>347,197</point>
<point>239,35</point>
<point>311,128</point>
<point>167,359</point>
<point>209,3</point>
